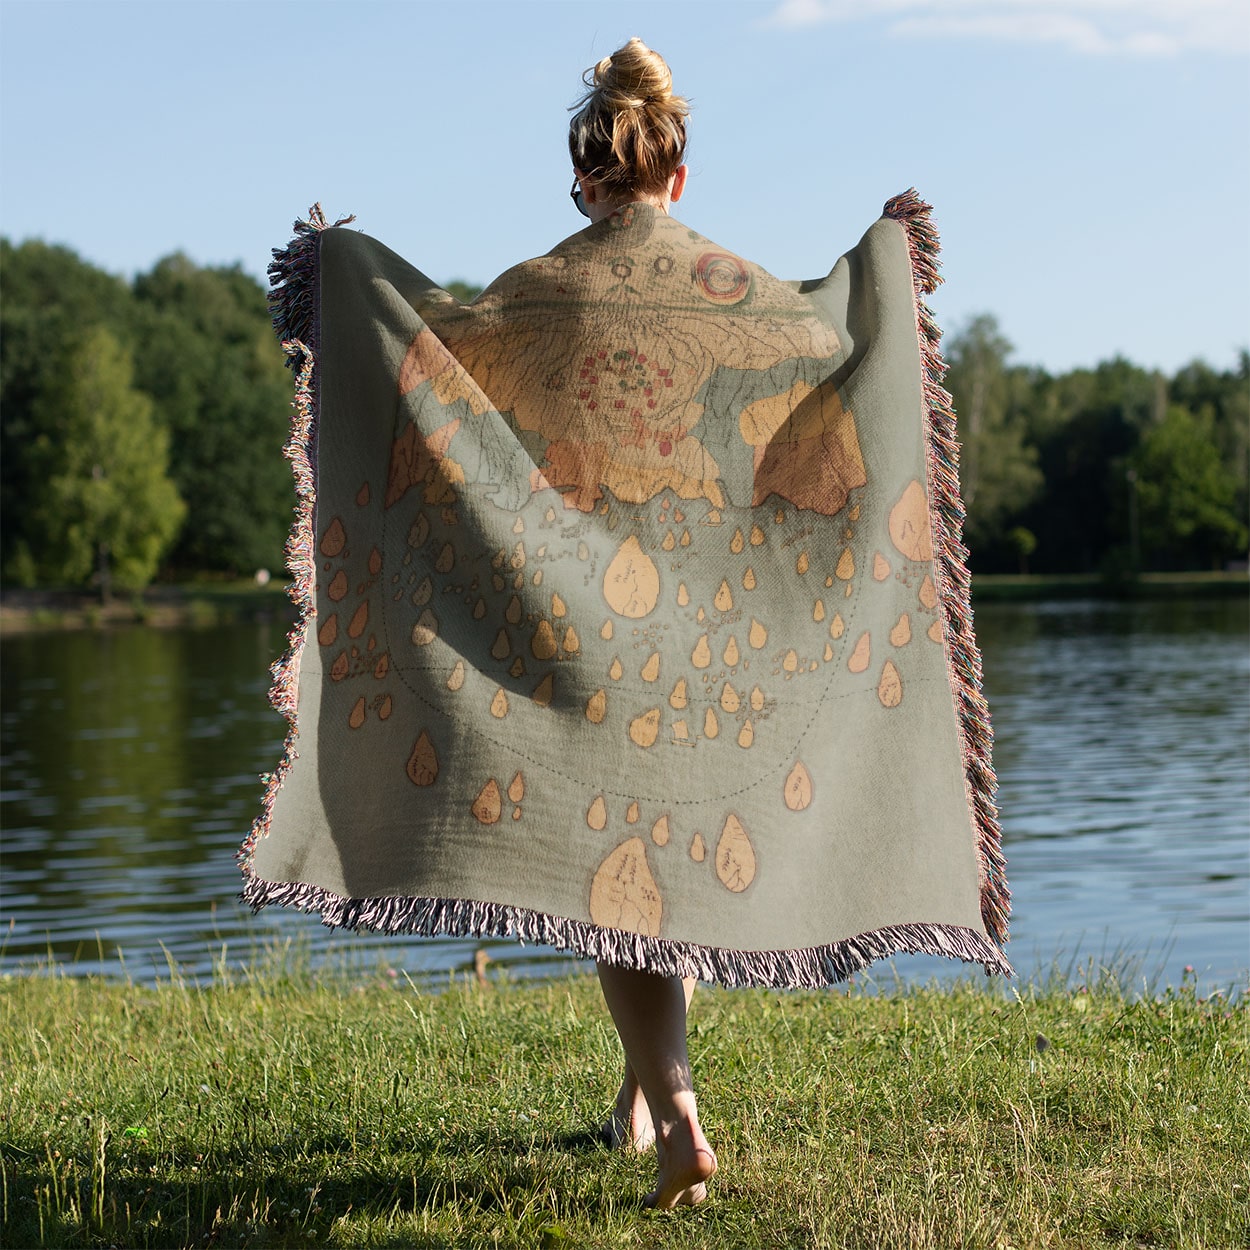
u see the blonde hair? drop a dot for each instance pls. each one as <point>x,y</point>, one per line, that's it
<point>629,131</point>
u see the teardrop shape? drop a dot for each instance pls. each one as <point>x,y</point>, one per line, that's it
<point>837,626</point>
<point>748,579</point>
<point>615,670</point>
<point>605,631</point>
<point>644,729</point>
<point>333,540</point>
<point>711,726</point>
<point>446,559</point>
<point>488,806</point>
<point>423,762</point>
<point>730,699</point>
<point>757,698</point>
<point>701,656</point>
<point>758,635</point>
<point>329,630</point>
<point>698,849</point>
<point>757,536</point>
<point>597,814</point>
<point>735,856</point>
<point>360,618</point>
<point>543,643</point>
<point>861,655</point>
<point>677,700</point>
<point>801,564</point>
<point>516,788</point>
<point>880,567</point>
<point>731,656</point>
<point>544,690</point>
<point>798,790</point>
<point>724,600</point>
<point>790,661</point>
<point>572,643</point>
<point>624,895</point>
<point>737,542</point>
<point>512,613</point>
<point>683,595</point>
<point>357,717</point>
<point>900,635</point>
<point>818,611</point>
<point>928,595</point>
<point>651,669</point>
<point>557,605</point>
<point>499,704</point>
<point>746,735</point>
<point>846,565</point>
<point>660,831</point>
<point>425,591</point>
<point>632,813</point>
<point>596,707</point>
<point>456,680</point>
<point>337,590</point>
<point>631,582</point>
<point>502,647</point>
<point>426,629</point>
<point>890,687</point>
<point>935,630</point>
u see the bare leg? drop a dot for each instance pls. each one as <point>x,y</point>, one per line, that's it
<point>649,1012</point>
<point>629,1126</point>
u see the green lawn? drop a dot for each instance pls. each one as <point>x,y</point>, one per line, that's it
<point>284,1109</point>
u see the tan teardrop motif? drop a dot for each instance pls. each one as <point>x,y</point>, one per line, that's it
<point>383,666</point>
<point>651,669</point>
<point>479,609</point>
<point>329,630</point>
<point>516,788</point>
<point>735,856</point>
<point>623,894</point>
<point>660,831</point>
<point>337,590</point>
<point>837,626</point>
<point>757,536</point>
<point>543,643</point>
<point>730,700</point>
<point>644,729</point>
<point>790,661</point>
<point>384,707</point>
<point>596,707</point>
<point>711,726</point>
<point>861,655</point>
<point>597,814</point>
<point>557,605</point>
<point>544,690</point>
<point>572,643</point>
<point>615,670</point>
<point>426,629</point>
<point>512,613</point>
<point>375,562</point>
<point>518,667</point>
<point>456,679</point>
<point>605,631</point>
<point>724,600</point>
<point>928,595</point>
<point>900,635</point>
<point>731,656</point>
<point>632,813</point>
<point>677,700</point>
<point>425,591</point>
<point>801,564</point>
<point>880,567</point>
<point>701,656</point>
<point>488,806</point>
<point>357,717</point>
<point>798,790</point>
<point>846,565</point>
<point>935,630</point>
<point>748,579</point>
<point>631,582</point>
<point>746,735</point>
<point>499,704</point>
<point>737,542</point>
<point>698,848</point>
<point>446,559</point>
<point>890,687</point>
<point>683,595</point>
<point>334,539</point>
<point>423,762</point>
<point>758,635</point>
<point>757,698</point>
<point>360,619</point>
<point>502,647</point>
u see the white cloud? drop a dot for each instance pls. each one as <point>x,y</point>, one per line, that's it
<point>1136,28</point>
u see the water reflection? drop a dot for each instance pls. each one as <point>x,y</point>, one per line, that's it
<point>130,764</point>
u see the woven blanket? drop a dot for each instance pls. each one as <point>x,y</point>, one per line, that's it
<point>634,615</point>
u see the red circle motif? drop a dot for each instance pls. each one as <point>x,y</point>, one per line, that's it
<point>722,278</point>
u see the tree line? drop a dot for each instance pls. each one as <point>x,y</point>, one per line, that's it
<point>141,424</point>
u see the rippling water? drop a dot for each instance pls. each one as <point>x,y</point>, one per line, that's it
<point>130,763</point>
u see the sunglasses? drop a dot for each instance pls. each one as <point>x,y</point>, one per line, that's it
<point>576,196</point>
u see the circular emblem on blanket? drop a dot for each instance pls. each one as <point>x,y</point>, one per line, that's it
<point>721,277</point>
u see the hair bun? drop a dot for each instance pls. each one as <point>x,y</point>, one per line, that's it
<point>633,77</point>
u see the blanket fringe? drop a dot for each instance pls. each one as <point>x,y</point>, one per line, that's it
<point>951,566</point>
<point>808,968</point>
<point>293,302</point>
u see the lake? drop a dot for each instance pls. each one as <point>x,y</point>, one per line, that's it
<point>130,774</point>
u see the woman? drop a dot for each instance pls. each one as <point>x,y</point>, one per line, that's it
<point>634,614</point>
<point>628,144</point>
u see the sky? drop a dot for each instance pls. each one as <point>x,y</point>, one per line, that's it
<point>1088,160</point>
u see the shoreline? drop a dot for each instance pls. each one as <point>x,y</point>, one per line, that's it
<point>203,604</point>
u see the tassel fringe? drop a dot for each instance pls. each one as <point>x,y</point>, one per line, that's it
<point>951,567</point>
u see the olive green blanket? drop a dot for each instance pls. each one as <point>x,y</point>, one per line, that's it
<point>634,613</point>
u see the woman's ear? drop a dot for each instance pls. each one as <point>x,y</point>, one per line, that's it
<point>678,184</point>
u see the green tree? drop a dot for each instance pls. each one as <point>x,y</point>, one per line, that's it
<point>207,356</point>
<point>1187,494</point>
<point>107,508</point>
<point>998,467</point>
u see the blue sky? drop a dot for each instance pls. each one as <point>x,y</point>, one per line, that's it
<point>1088,159</point>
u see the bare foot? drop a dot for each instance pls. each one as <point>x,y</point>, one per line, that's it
<point>629,1126</point>
<point>686,1165</point>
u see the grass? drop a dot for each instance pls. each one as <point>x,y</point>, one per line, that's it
<point>283,1108</point>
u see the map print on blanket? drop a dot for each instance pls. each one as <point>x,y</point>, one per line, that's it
<point>627,612</point>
